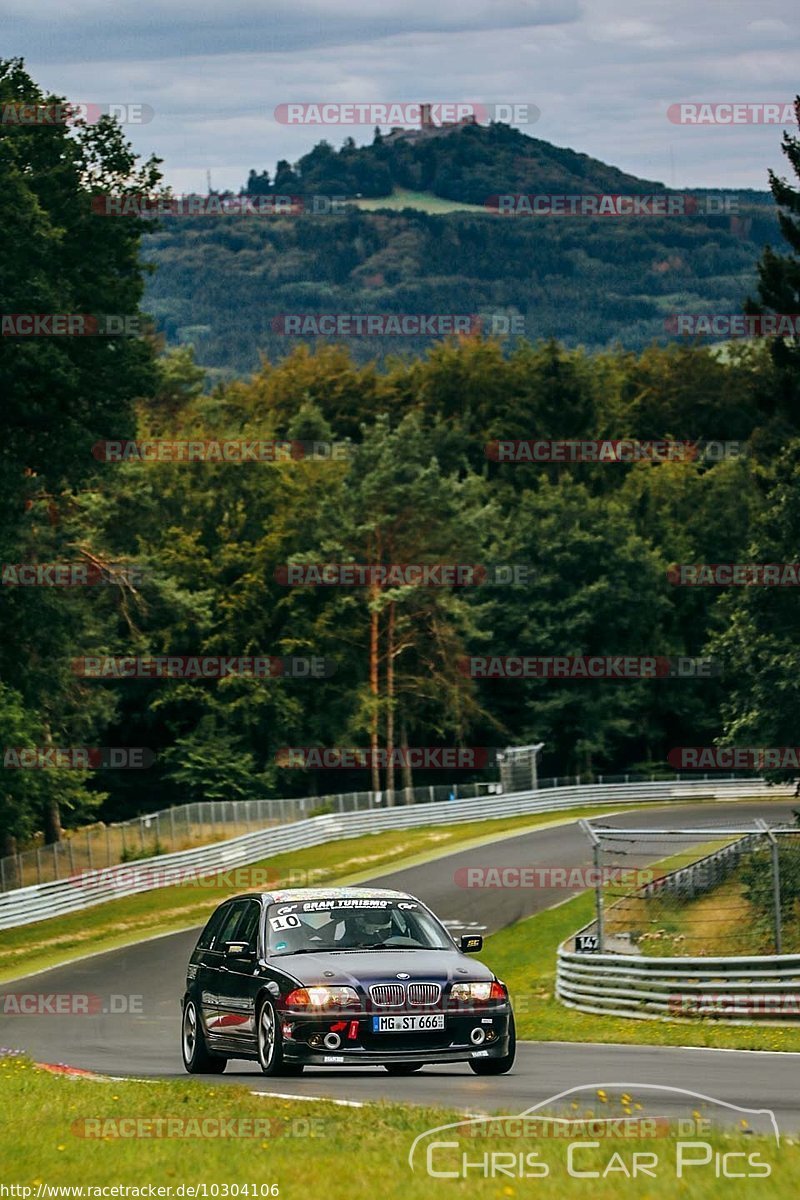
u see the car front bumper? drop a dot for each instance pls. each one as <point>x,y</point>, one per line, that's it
<point>360,1045</point>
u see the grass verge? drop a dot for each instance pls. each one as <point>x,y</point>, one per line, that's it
<point>318,1148</point>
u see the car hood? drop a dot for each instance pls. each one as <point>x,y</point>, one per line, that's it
<point>365,967</point>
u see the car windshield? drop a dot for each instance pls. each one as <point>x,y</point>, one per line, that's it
<point>305,926</point>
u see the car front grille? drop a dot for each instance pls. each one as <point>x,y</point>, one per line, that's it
<point>424,993</point>
<point>388,995</point>
<point>395,995</point>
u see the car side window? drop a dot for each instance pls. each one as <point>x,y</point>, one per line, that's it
<point>247,929</point>
<point>207,937</point>
<point>227,930</point>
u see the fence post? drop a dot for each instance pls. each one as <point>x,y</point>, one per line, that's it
<point>596,853</point>
<point>55,859</point>
<point>172,827</point>
<point>776,886</point>
<point>89,850</point>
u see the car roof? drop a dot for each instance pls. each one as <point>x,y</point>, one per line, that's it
<point>335,893</point>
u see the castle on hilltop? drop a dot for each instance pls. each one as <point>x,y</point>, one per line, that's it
<point>428,127</point>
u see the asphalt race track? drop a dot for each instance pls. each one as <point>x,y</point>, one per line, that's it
<point>146,1042</point>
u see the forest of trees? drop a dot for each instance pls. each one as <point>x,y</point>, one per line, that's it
<point>208,539</point>
<point>223,283</point>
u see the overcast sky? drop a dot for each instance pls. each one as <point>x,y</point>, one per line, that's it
<point>602,72</point>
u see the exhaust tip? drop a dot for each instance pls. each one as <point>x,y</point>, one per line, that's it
<point>332,1041</point>
<point>477,1036</point>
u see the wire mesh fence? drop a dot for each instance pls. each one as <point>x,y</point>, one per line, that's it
<point>714,891</point>
<point>202,823</point>
<point>186,826</point>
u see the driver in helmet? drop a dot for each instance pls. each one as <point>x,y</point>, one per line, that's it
<point>369,927</point>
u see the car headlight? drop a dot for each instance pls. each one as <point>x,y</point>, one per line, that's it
<point>322,997</point>
<point>480,991</point>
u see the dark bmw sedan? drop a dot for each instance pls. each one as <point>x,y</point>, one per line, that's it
<point>340,977</point>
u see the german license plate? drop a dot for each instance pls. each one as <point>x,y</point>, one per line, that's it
<point>409,1024</point>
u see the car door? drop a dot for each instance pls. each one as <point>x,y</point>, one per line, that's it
<point>211,974</point>
<point>236,982</point>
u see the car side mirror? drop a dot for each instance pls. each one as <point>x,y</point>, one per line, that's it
<point>238,950</point>
<point>471,943</point>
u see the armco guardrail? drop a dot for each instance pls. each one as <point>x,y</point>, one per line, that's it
<point>735,988</point>
<point>755,988</point>
<point>25,905</point>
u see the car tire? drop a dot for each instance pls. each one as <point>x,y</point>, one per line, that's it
<point>498,1066</point>
<point>197,1059</point>
<point>269,1041</point>
<point>402,1068</point>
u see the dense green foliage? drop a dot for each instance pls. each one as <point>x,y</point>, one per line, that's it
<point>222,281</point>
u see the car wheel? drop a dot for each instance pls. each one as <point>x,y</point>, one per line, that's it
<point>402,1068</point>
<point>498,1066</point>
<point>196,1056</point>
<point>270,1044</point>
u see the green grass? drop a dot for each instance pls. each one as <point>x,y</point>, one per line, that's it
<point>320,1149</point>
<point>524,956</point>
<point>114,923</point>
<point>423,201</point>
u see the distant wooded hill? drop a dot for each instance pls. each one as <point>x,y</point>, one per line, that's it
<point>224,282</point>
